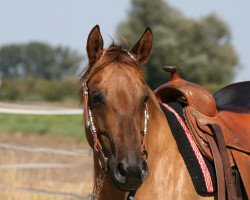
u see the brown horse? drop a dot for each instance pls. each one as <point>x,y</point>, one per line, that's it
<point>119,110</point>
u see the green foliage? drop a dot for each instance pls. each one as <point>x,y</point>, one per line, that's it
<point>201,48</point>
<point>33,89</point>
<point>36,59</point>
<point>63,125</point>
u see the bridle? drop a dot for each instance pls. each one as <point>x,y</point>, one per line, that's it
<point>89,124</point>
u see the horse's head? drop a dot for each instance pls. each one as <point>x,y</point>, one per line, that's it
<point>117,98</point>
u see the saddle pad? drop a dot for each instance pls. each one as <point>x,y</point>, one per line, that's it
<point>201,170</point>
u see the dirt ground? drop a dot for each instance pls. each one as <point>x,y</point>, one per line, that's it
<point>76,179</point>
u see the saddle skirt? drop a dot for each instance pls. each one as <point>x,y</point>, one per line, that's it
<point>201,112</point>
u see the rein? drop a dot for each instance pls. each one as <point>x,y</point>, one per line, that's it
<point>89,124</point>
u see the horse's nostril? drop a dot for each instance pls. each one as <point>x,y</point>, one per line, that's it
<point>144,172</point>
<point>137,171</point>
<point>144,165</point>
<point>121,169</point>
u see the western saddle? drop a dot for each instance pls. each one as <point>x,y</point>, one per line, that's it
<point>220,126</point>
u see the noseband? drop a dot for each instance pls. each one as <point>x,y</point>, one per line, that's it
<point>89,124</point>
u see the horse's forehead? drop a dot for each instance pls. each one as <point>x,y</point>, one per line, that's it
<point>119,77</point>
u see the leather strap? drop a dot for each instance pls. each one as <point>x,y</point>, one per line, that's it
<point>229,179</point>
<point>85,102</point>
<point>221,192</point>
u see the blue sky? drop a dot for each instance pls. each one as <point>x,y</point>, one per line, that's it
<point>69,22</point>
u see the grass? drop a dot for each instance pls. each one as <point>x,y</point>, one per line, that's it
<point>62,125</point>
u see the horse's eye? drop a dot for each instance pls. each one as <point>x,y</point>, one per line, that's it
<point>97,98</point>
<point>146,98</point>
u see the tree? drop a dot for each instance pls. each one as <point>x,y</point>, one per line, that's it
<point>11,57</point>
<point>201,49</point>
<point>39,60</point>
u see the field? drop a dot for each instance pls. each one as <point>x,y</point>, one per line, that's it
<point>31,175</point>
<point>60,125</point>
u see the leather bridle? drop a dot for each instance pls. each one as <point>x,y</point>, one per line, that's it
<point>97,147</point>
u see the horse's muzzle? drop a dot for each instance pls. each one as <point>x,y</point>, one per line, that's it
<point>130,176</point>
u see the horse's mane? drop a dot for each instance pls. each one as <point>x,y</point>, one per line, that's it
<point>113,54</point>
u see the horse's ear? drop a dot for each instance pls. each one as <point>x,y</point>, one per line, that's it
<point>94,44</point>
<point>143,47</point>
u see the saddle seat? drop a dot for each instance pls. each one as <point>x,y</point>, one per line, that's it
<point>234,97</point>
<point>229,109</point>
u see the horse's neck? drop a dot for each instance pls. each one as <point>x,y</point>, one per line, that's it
<point>168,176</point>
<point>109,190</point>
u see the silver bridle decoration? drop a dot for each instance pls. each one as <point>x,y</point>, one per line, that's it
<point>146,118</point>
<point>130,54</point>
<point>127,52</point>
<point>90,122</point>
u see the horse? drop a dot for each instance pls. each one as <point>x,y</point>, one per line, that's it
<point>134,148</point>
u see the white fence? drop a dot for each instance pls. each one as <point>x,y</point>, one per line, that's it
<point>46,150</point>
<point>37,110</point>
<point>41,112</point>
<point>10,108</point>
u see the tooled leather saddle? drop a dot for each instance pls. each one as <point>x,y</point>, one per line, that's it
<point>220,126</point>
